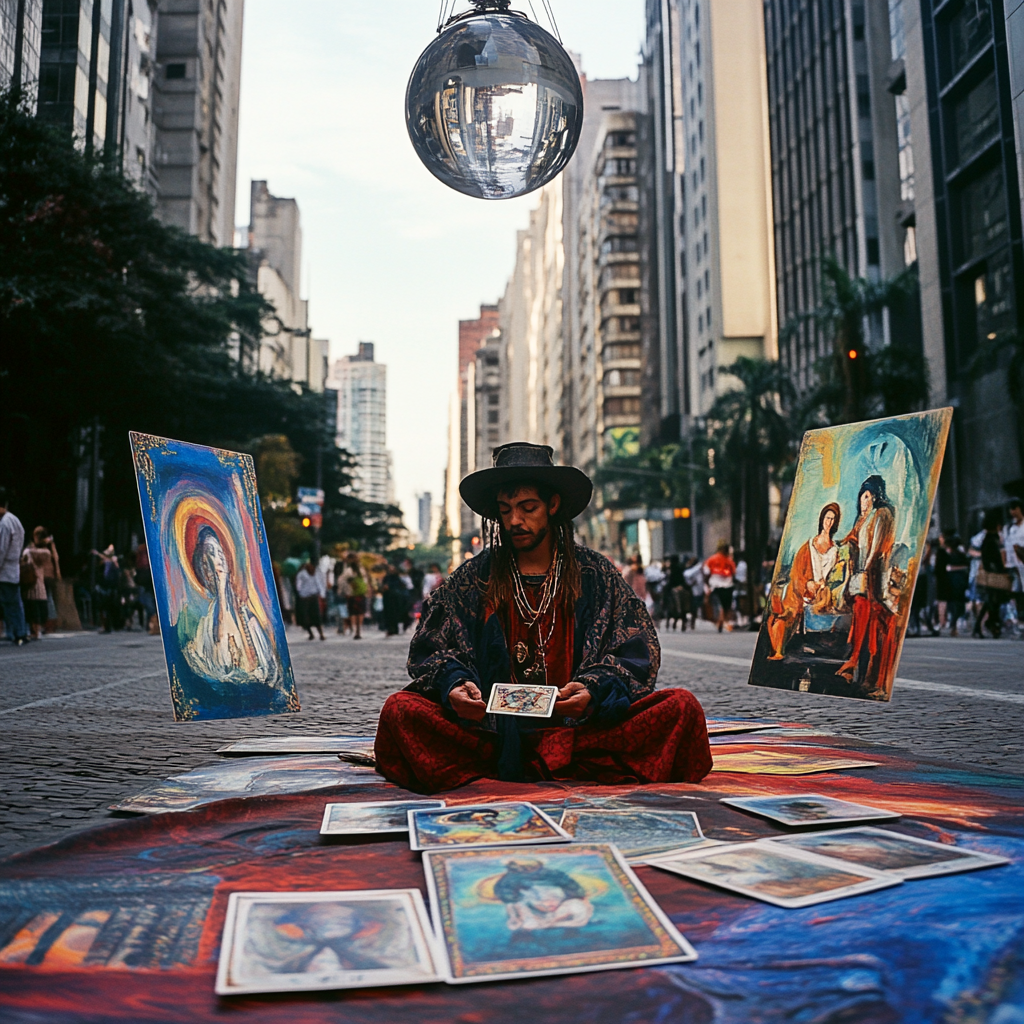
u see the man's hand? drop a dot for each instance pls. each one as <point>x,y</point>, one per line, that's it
<point>573,699</point>
<point>467,701</point>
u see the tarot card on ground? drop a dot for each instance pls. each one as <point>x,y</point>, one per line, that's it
<point>378,816</point>
<point>531,701</point>
<point>500,824</point>
<point>304,941</point>
<point>220,619</point>
<point>637,833</point>
<point>544,910</point>
<point>783,762</point>
<point>899,855</point>
<point>840,598</point>
<point>808,810</point>
<point>263,745</point>
<point>775,873</point>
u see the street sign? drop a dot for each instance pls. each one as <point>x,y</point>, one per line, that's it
<point>311,496</point>
<point>309,509</point>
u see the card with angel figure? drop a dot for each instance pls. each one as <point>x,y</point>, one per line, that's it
<point>544,910</point>
<point>309,941</point>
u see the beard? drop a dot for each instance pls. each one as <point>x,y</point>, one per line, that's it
<point>537,540</point>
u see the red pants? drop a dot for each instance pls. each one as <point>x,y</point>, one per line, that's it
<point>665,739</point>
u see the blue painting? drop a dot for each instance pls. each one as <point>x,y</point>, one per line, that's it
<point>545,911</point>
<point>220,620</point>
<point>849,556</point>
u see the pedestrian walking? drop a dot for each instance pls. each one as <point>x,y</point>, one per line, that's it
<point>993,580</point>
<point>396,601</point>
<point>309,589</point>
<point>107,598</point>
<point>1013,544</point>
<point>720,571</point>
<point>359,589</point>
<point>956,579</point>
<point>40,607</point>
<point>433,579</point>
<point>693,575</point>
<point>12,539</point>
<point>637,580</point>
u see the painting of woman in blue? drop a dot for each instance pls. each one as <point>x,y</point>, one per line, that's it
<point>220,621</point>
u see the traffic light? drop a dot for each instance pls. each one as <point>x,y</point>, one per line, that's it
<point>681,513</point>
<point>306,522</point>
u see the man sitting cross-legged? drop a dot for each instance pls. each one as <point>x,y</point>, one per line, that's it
<point>536,608</point>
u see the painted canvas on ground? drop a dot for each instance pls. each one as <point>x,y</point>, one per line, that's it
<point>545,910</point>
<point>783,762</point>
<point>261,745</point>
<point>305,941</point>
<point>883,850</point>
<point>849,556</point>
<point>245,777</point>
<point>220,620</point>
<point>808,810</point>
<point>774,873</point>
<point>527,701</point>
<point>501,824</point>
<point>378,816</point>
<point>636,833</point>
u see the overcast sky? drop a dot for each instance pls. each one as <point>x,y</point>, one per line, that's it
<point>390,254</point>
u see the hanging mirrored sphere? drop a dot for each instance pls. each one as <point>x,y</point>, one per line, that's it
<point>494,106</point>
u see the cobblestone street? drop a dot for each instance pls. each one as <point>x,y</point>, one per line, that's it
<point>87,717</point>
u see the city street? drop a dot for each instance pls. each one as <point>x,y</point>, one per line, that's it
<point>87,717</point>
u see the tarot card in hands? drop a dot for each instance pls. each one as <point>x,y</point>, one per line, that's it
<point>377,816</point>
<point>499,824</point>
<point>808,810</point>
<point>305,941</point>
<point>544,910</point>
<point>775,873</point>
<point>637,833</point>
<point>899,855</point>
<point>529,701</point>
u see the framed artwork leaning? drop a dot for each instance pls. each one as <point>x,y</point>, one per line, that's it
<point>543,910</point>
<point>216,597</point>
<point>309,941</point>
<point>849,556</point>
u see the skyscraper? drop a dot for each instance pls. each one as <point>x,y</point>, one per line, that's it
<point>361,384</point>
<point>195,112</point>
<point>425,517</point>
<point>20,25</point>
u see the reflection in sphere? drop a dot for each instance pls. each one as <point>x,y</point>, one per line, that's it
<point>494,106</point>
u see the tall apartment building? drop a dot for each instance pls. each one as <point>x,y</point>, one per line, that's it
<point>20,28</point>
<point>835,152</point>
<point>361,384</point>
<point>94,79</point>
<point>287,349</point>
<point>960,85</point>
<point>530,320</point>
<point>195,112</point>
<point>492,399</point>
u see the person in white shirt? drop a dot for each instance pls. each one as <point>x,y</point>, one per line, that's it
<point>1013,540</point>
<point>12,540</point>
<point>310,589</point>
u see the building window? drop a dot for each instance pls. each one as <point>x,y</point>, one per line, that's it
<point>628,296</point>
<point>492,415</point>
<point>700,93</point>
<point>707,280</point>
<point>174,71</point>
<point>970,29</point>
<point>622,378</point>
<point>707,318</point>
<point>700,130</point>
<point>704,207</point>
<point>622,407</point>
<point>983,215</point>
<point>620,166</point>
<point>975,120</point>
<point>492,399</point>
<point>702,168</point>
<point>612,353</point>
<point>619,243</point>
<point>700,324</point>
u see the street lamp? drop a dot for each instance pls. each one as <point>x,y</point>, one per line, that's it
<point>494,105</point>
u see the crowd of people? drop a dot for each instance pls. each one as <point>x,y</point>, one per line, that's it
<point>352,591</point>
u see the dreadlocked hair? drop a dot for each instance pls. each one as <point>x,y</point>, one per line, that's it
<point>499,587</point>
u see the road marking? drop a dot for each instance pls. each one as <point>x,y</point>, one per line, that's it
<point>81,693</point>
<point>911,684</point>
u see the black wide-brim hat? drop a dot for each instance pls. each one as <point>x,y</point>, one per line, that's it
<point>520,462</point>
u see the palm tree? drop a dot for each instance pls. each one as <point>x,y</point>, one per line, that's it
<point>752,437</point>
<point>854,382</point>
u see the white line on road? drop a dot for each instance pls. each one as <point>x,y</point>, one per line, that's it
<point>81,693</point>
<point>912,684</point>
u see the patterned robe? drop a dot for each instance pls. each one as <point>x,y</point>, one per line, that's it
<point>628,732</point>
<point>615,646</point>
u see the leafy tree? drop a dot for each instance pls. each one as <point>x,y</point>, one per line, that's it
<point>663,476</point>
<point>854,382</point>
<point>752,437</point>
